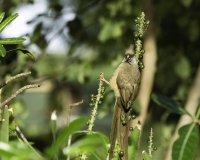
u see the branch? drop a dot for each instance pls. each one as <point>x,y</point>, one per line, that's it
<point>14,77</point>
<point>18,92</point>
<point>68,120</point>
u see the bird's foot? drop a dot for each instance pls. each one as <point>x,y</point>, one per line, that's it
<point>103,79</point>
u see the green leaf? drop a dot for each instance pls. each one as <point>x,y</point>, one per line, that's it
<point>146,156</point>
<point>2,51</point>
<point>168,104</point>
<point>18,151</point>
<point>134,142</point>
<point>24,51</point>
<point>185,147</point>
<point>1,16</point>
<point>87,144</point>
<point>12,40</point>
<point>64,135</point>
<point>7,21</point>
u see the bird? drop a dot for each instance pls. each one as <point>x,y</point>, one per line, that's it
<point>125,83</point>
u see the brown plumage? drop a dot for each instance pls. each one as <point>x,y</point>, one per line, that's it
<point>125,83</point>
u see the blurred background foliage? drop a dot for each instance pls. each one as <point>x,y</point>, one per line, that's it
<point>95,38</point>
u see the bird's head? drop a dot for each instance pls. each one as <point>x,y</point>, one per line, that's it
<point>129,56</point>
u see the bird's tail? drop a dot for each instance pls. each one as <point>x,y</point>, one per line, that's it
<point>120,131</point>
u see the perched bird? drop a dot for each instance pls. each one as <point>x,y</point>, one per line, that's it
<point>125,83</point>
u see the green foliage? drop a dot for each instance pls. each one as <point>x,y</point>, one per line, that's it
<point>4,41</point>
<point>7,21</point>
<point>168,104</point>
<point>88,144</point>
<point>185,147</point>
<point>64,135</point>
<point>18,151</point>
<point>91,45</point>
<point>133,148</point>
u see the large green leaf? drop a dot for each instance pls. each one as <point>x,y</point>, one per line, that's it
<point>64,135</point>
<point>186,145</point>
<point>86,144</point>
<point>12,40</point>
<point>16,150</point>
<point>168,104</point>
<point>134,143</point>
<point>2,51</point>
<point>7,21</point>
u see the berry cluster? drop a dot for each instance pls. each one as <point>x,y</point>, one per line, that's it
<point>93,97</point>
<point>95,101</point>
<point>141,25</point>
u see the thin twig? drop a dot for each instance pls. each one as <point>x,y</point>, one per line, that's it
<point>22,135</point>
<point>14,77</point>
<point>18,92</point>
<point>68,120</point>
<point>70,110</point>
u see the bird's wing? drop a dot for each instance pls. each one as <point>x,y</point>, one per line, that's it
<point>126,89</point>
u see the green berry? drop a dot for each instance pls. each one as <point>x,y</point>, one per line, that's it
<point>154,148</point>
<point>142,66</point>
<point>121,153</point>
<point>136,21</point>
<point>122,118</point>
<point>133,116</point>
<point>131,129</point>
<point>140,63</point>
<point>123,122</point>
<point>142,51</point>
<point>140,57</point>
<point>91,104</point>
<point>135,35</point>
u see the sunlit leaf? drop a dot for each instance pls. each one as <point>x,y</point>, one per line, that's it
<point>65,133</point>
<point>186,145</point>
<point>7,21</point>
<point>18,151</point>
<point>86,144</point>
<point>1,16</point>
<point>12,40</point>
<point>2,51</point>
<point>168,104</point>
